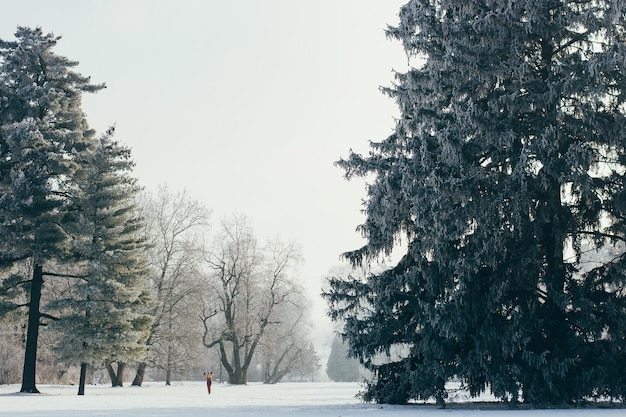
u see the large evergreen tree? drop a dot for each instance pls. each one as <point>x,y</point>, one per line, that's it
<point>505,178</point>
<point>103,319</point>
<point>42,131</point>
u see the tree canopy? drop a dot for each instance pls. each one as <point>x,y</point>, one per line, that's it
<point>102,317</point>
<point>504,177</point>
<point>65,210</point>
<point>247,287</point>
<point>42,132</point>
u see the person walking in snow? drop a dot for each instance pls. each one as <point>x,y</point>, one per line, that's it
<point>209,380</point>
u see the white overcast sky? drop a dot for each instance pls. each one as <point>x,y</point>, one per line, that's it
<point>245,104</point>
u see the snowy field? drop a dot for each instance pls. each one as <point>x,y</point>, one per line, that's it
<point>187,399</point>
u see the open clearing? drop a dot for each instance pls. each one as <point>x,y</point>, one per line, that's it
<point>190,399</point>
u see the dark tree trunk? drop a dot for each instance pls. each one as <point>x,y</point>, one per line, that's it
<point>141,371</point>
<point>238,377</point>
<point>83,376</point>
<point>236,374</point>
<point>117,379</point>
<point>32,333</point>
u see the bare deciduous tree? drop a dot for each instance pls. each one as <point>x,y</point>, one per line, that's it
<point>12,338</point>
<point>245,286</point>
<point>176,223</point>
<point>285,346</point>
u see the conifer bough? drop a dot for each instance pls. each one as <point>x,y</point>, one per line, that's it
<point>505,177</point>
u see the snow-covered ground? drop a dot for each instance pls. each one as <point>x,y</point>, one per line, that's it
<point>190,399</point>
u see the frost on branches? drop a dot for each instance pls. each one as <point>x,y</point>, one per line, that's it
<point>66,214</point>
<point>505,175</point>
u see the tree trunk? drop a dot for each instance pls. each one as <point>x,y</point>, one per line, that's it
<point>141,371</point>
<point>83,376</point>
<point>237,375</point>
<point>266,371</point>
<point>117,379</point>
<point>168,370</point>
<point>32,333</point>
<point>274,373</point>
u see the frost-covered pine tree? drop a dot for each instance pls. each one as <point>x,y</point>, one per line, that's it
<point>102,319</point>
<point>42,131</point>
<point>505,178</point>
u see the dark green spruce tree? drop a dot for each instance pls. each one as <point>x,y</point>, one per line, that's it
<point>505,179</point>
<point>42,132</point>
<point>101,318</point>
